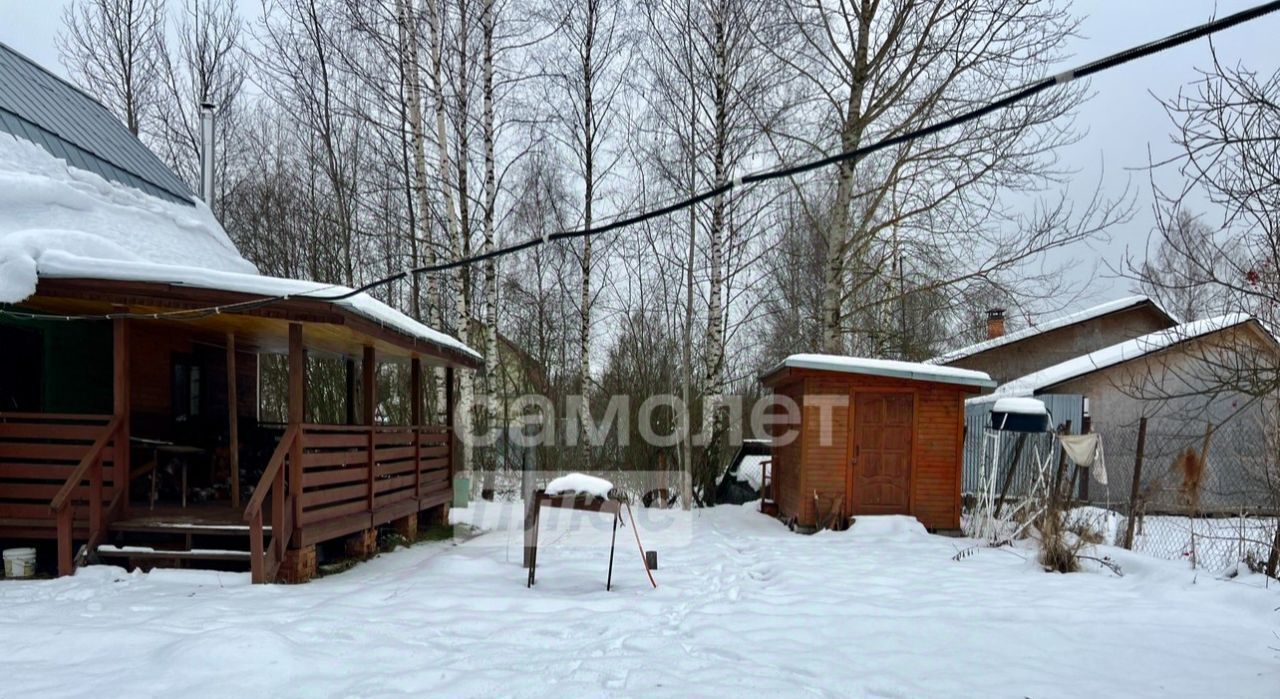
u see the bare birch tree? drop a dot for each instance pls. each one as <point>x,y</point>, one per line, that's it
<point>114,49</point>
<point>588,71</point>
<point>872,69</point>
<point>207,66</point>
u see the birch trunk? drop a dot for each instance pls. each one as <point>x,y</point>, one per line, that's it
<point>686,445</point>
<point>417,129</point>
<point>451,219</point>
<point>714,359</point>
<point>838,235</point>
<point>588,76</point>
<point>490,202</point>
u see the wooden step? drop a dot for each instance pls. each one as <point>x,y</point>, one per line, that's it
<point>147,526</point>
<point>148,553</point>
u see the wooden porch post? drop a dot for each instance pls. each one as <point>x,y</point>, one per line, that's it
<point>450,422</point>
<point>415,391</point>
<point>351,390</point>
<point>368,409</point>
<point>120,408</point>
<point>415,419</point>
<point>297,414</point>
<point>233,416</point>
<point>368,372</point>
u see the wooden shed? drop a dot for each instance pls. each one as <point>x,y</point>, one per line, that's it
<point>869,436</point>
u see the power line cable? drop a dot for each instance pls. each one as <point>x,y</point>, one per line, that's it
<point>1112,61</point>
<point>1017,95</point>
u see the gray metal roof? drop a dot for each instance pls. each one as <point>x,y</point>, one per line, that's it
<point>42,108</point>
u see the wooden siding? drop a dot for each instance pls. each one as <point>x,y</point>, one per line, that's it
<point>786,457</point>
<point>824,470</point>
<point>821,464</point>
<point>936,483</point>
<point>153,349</point>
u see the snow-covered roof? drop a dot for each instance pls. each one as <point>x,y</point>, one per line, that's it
<point>60,264</point>
<point>1091,313</point>
<point>1116,354</point>
<point>886,367</point>
<point>57,221</point>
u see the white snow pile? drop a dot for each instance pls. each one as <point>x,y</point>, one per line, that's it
<point>887,527</point>
<point>579,483</point>
<point>886,367</point>
<point>1020,406</point>
<point>50,211</point>
<point>743,608</point>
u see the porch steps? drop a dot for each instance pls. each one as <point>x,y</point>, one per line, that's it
<point>157,541</point>
<point>149,553</point>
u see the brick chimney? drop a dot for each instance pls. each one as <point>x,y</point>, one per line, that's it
<point>995,323</point>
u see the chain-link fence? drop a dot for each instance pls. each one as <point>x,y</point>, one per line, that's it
<point>1194,491</point>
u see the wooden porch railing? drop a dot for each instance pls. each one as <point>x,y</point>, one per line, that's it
<point>90,467</point>
<point>350,470</point>
<point>347,478</point>
<point>264,561</point>
<point>45,461</point>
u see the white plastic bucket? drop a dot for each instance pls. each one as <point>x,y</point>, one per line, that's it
<point>19,563</point>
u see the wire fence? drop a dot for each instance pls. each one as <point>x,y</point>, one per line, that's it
<point>1191,491</point>
<point>1176,489</point>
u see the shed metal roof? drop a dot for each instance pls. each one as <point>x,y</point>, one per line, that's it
<point>40,107</point>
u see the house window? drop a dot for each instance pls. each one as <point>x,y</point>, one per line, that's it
<point>187,389</point>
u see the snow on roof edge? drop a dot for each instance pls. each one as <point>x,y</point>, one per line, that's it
<point>1057,323</point>
<point>885,367</point>
<point>1115,354</point>
<point>59,264</point>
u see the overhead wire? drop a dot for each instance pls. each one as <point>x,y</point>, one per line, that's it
<point>624,221</point>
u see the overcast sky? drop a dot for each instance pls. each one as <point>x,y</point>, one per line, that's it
<point>1123,119</point>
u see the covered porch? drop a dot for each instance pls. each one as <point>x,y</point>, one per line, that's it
<point>280,426</point>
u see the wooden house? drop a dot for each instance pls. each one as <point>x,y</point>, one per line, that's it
<point>133,334</point>
<point>870,437</point>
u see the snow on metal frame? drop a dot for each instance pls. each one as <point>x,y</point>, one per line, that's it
<point>977,417</point>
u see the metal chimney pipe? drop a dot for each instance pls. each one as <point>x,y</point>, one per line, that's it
<point>206,153</point>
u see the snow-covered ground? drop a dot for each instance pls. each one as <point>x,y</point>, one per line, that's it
<point>743,608</point>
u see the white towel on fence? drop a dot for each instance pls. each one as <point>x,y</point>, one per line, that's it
<point>1086,451</point>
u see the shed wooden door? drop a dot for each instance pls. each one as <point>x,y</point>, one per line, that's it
<point>882,447</point>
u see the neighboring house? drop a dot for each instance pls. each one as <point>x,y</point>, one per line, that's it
<point>1006,357</point>
<point>1184,379</point>
<point>132,329</point>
